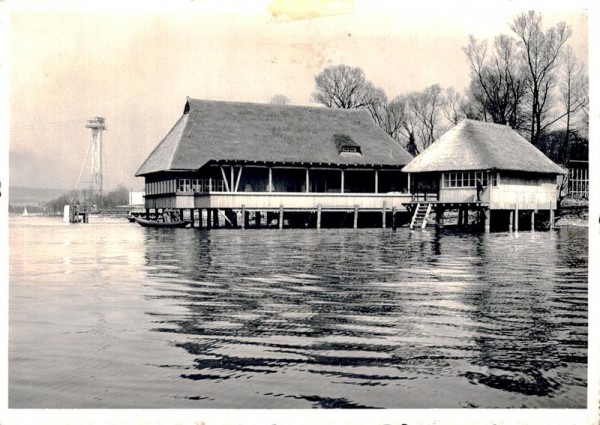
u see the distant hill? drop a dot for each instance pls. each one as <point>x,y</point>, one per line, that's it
<point>19,195</point>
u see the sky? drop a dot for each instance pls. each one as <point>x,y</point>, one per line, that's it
<point>70,62</point>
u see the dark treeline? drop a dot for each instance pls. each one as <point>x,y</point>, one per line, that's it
<point>112,199</point>
<point>529,79</point>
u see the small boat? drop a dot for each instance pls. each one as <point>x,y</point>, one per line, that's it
<point>135,213</point>
<point>152,223</point>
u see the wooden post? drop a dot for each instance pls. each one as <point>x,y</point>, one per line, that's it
<point>270,188</point>
<point>355,216</point>
<point>460,217</point>
<point>208,219</point>
<point>281,217</point>
<point>439,214</point>
<point>516,217</point>
<point>510,220</point>
<point>394,219</point>
<point>257,219</point>
<point>215,218</point>
<point>243,216</point>
<point>376,181</point>
<point>488,219</point>
<point>551,218</point>
<point>383,213</point>
<point>147,213</point>
<point>532,220</point>
<point>319,216</point>
<point>192,216</point>
<point>307,181</point>
<point>342,185</point>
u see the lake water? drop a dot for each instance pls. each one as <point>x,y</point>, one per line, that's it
<point>110,314</point>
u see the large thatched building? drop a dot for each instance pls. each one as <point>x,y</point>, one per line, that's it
<point>230,158</point>
<point>487,167</point>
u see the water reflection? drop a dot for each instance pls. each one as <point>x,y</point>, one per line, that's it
<point>324,315</point>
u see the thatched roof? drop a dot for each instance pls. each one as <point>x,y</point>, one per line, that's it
<point>227,131</point>
<point>476,145</point>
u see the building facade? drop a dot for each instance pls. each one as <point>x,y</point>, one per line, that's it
<point>242,157</point>
<point>487,167</point>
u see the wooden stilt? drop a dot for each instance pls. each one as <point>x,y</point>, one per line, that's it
<point>243,217</point>
<point>439,215</point>
<point>233,218</point>
<point>511,214</point>
<point>355,216</point>
<point>532,220</point>
<point>383,214</point>
<point>394,219</point>
<point>216,223</point>
<point>257,219</point>
<point>208,219</point>
<point>281,217</point>
<point>488,219</point>
<point>147,213</point>
<point>460,217</point>
<point>516,217</point>
<point>319,216</point>
<point>192,216</point>
<point>551,219</point>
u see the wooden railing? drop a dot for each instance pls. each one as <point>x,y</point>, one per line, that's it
<point>302,200</point>
<point>424,197</point>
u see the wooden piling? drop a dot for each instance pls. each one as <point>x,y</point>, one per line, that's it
<point>510,220</point>
<point>208,219</point>
<point>257,217</point>
<point>516,217</point>
<point>319,216</point>
<point>280,217</point>
<point>243,216</point>
<point>533,220</point>
<point>355,216</point>
<point>383,214</point>
<point>460,217</point>
<point>394,219</point>
<point>488,219</point>
<point>551,219</point>
<point>192,216</point>
<point>216,223</point>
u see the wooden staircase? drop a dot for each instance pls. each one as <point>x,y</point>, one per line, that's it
<point>421,215</point>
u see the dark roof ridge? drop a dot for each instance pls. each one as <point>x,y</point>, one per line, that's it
<point>275,106</point>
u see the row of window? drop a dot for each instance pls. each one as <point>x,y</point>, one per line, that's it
<point>452,179</point>
<point>468,179</point>
<point>185,185</point>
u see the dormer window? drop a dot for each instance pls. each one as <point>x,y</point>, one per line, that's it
<point>345,144</point>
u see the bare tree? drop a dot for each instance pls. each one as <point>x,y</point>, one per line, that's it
<point>496,82</point>
<point>413,118</point>
<point>541,56</point>
<point>454,105</point>
<point>345,87</point>
<point>390,116</point>
<point>279,99</point>
<point>426,107</point>
<point>574,90</point>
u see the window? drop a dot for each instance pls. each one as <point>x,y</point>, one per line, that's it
<point>184,185</point>
<point>345,144</point>
<point>468,179</point>
<point>197,185</point>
